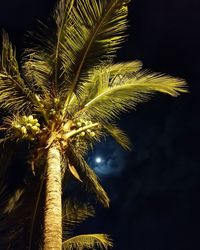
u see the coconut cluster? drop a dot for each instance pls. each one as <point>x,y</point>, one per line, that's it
<point>26,127</point>
<point>82,123</point>
<point>53,110</point>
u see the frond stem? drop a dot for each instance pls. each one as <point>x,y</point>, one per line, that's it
<point>73,133</point>
<point>22,88</point>
<point>97,97</point>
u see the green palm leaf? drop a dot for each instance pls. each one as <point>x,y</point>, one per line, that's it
<point>96,31</point>
<point>106,73</point>
<point>37,70</point>
<point>14,94</point>
<point>117,70</point>
<point>88,241</point>
<point>122,95</point>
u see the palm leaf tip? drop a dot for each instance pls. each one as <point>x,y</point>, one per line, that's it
<point>157,82</point>
<point>102,241</point>
<point>119,136</point>
<point>14,92</point>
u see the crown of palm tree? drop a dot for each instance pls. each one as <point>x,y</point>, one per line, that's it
<point>70,91</point>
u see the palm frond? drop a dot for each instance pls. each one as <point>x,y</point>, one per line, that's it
<point>112,73</point>
<point>92,184</point>
<point>37,59</point>
<point>84,31</point>
<point>36,71</point>
<point>89,177</point>
<point>61,16</point>
<point>119,136</point>
<point>95,31</point>
<point>42,63</point>
<point>117,71</point>
<point>89,241</point>
<point>112,99</point>
<point>14,94</point>
<point>73,213</point>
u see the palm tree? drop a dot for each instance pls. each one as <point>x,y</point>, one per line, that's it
<point>67,97</point>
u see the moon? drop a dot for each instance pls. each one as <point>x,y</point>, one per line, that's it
<point>98,160</point>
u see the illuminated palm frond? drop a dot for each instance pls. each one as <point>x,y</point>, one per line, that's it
<point>95,31</point>
<point>37,70</point>
<point>111,73</point>
<point>14,93</point>
<point>117,71</point>
<point>115,96</point>
<point>90,241</point>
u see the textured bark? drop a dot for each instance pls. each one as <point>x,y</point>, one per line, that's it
<point>53,205</point>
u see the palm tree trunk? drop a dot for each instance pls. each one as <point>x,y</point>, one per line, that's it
<point>53,203</point>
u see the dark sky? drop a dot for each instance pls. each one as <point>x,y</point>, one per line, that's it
<point>155,188</point>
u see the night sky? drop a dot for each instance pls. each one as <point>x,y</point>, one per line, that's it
<point>155,188</point>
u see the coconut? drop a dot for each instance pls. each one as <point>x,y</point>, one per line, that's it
<point>31,119</point>
<point>29,125</point>
<point>16,125</point>
<point>79,124</point>
<point>56,100</point>
<point>35,128</point>
<point>92,134</point>
<point>82,134</point>
<point>25,118</point>
<point>23,130</point>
